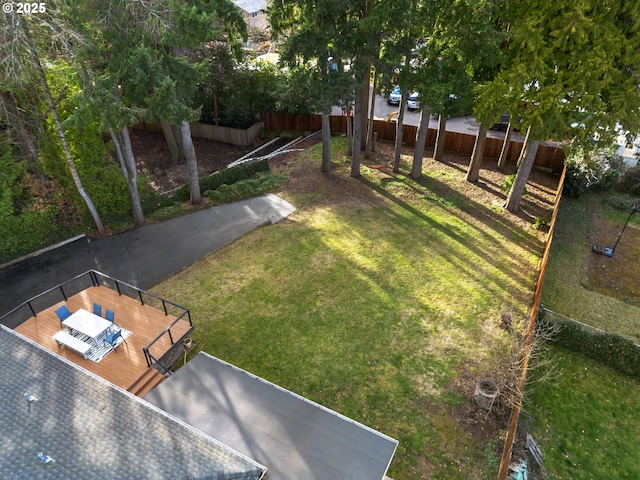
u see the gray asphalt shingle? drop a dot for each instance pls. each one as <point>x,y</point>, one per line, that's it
<point>95,430</point>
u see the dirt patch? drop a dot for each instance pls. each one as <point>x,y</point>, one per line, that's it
<point>309,186</point>
<point>154,159</point>
<point>536,206</point>
<point>615,276</point>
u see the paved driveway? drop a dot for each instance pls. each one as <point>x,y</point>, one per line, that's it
<point>143,256</point>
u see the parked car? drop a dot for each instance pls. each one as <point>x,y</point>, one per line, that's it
<point>502,125</point>
<point>394,96</point>
<point>413,102</point>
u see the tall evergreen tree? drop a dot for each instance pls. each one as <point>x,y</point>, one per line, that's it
<point>25,41</point>
<point>571,71</point>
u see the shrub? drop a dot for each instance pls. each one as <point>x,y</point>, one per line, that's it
<point>227,176</point>
<point>28,232</point>
<point>260,183</point>
<point>11,189</point>
<point>621,203</point>
<point>508,183</point>
<point>612,350</point>
<point>590,168</point>
<point>630,181</point>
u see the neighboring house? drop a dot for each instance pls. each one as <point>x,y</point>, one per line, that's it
<point>208,420</point>
<point>629,150</point>
<point>254,12</point>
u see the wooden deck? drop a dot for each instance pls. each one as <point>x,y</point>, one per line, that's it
<point>127,364</point>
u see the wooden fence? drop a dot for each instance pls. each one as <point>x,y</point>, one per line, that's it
<point>533,316</point>
<point>549,157</point>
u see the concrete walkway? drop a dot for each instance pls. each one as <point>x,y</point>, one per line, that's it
<point>143,256</point>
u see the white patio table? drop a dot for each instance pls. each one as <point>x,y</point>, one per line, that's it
<point>87,323</point>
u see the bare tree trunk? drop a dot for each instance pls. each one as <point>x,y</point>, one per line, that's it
<point>215,104</point>
<point>525,146</point>
<point>65,146</point>
<point>517,189</point>
<point>476,157</point>
<point>372,108</point>
<point>502,161</point>
<point>326,143</point>
<point>399,131</point>
<point>124,154</point>
<point>177,136</point>
<point>349,130</point>
<point>421,140</point>
<point>438,153</point>
<point>171,141</point>
<point>25,142</point>
<point>364,117</point>
<point>192,163</point>
<point>357,134</point>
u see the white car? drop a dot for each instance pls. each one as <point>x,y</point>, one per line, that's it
<point>394,96</point>
<point>413,102</point>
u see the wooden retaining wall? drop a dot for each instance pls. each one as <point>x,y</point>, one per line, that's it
<point>233,136</point>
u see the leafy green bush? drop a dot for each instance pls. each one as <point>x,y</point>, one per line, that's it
<point>591,168</point>
<point>508,183</point>
<point>258,184</point>
<point>11,173</point>
<point>242,96</point>
<point>630,181</point>
<point>28,232</point>
<point>227,176</point>
<point>621,203</point>
<point>615,351</point>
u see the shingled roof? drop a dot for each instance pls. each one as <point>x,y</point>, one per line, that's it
<point>92,429</point>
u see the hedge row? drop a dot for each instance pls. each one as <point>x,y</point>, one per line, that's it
<point>258,184</point>
<point>227,176</point>
<point>26,233</point>
<point>612,350</point>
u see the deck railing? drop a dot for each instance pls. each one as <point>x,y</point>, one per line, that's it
<point>151,360</point>
<point>77,284</point>
<point>92,278</point>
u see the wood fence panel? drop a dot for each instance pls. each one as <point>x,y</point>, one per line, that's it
<point>549,156</point>
<point>233,136</point>
<point>409,133</point>
<point>492,148</point>
<point>515,149</point>
<point>459,142</point>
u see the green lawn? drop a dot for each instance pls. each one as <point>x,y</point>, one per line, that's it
<point>569,290</point>
<point>587,420</point>
<point>380,298</point>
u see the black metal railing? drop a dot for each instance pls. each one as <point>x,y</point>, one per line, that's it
<point>151,359</point>
<point>90,278</point>
<point>93,278</point>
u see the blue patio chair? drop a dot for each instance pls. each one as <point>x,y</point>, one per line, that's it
<point>63,313</point>
<point>97,309</point>
<point>112,339</point>
<point>110,315</point>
